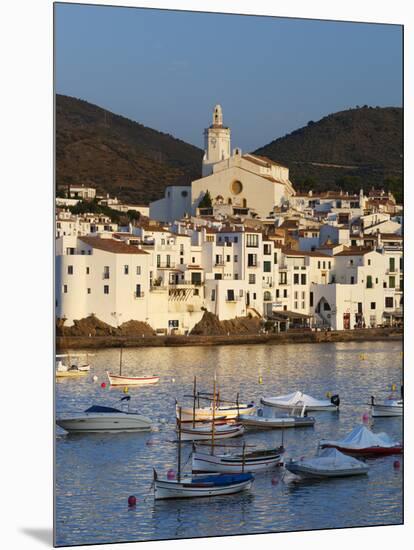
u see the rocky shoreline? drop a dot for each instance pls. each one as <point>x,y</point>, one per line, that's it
<point>299,337</point>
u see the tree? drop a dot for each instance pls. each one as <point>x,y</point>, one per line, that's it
<point>205,201</point>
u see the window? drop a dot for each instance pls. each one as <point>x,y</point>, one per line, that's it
<point>168,260</point>
<point>138,270</point>
<point>254,295</point>
<point>326,306</point>
<point>181,249</point>
<point>311,299</point>
<point>252,279</point>
<point>196,292</point>
<point>285,293</point>
<point>303,279</point>
<point>252,240</point>
<point>296,294</point>
<point>193,259</point>
<point>137,291</point>
<point>391,282</point>
<point>106,272</point>
<point>70,269</point>
<point>295,305</point>
<point>217,276</point>
<point>373,305</point>
<point>303,295</point>
<point>162,241</point>
<point>369,262</point>
<point>369,281</point>
<point>87,271</point>
<point>352,280</point>
<point>267,249</point>
<point>401,263</point>
<point>106,289</point>
<point>275,257</point>
<point>296,278</point>
<point>319,264</point>
<point>324,265</point>
<point>389,301</point>
<point>303,305</point>
<point>65,289</point>
<point>267,267</point>
<point>230,295</point>
<point>213,294</point>
<point>251,260</point>
<point>392,265</point>
<point>158,260</point>
<point>329,265</point>
<point>89,290</point>
<point>228,258</point>
<point>126,269</point>
<point>236,259</point>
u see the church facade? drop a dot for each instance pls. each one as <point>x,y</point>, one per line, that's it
<point>246,183</point>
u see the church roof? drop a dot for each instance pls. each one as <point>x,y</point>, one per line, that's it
<point>261,161</point>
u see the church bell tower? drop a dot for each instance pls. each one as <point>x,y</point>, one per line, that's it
<point>216,142</point>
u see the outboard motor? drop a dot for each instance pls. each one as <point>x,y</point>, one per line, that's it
<point>335,400</point>
<point>259,412</point>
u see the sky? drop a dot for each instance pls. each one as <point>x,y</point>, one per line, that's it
<point>167,69</point>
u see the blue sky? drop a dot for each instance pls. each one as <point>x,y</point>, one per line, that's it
<point>168,69</point>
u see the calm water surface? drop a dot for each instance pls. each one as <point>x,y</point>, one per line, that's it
<point>95,474</point>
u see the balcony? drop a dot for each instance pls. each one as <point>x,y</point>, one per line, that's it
<point>220,263</point>
<point>254,265</point>
<point>234,299</point>
<point>138,295</point>
<point>165,265</point>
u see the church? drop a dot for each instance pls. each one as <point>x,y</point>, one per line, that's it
<point>238,184</point>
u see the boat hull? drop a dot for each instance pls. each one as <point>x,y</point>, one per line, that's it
<point>71,373</point>
<point>204,463</point>
<point>367,451</point>
<point>164,489</point>
<point>270,423</point>
<point>116,380</point>
<point>205,434</point>
<point>282,406</point>
<point>206,413</point>
<point>109,423</point>
<point>309,472</point>
<point>386,410</point>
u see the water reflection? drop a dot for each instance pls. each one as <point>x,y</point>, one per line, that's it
<point>96,473</point>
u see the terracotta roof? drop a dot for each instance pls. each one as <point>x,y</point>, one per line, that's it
<point>111,245</point>
<point>354,251</point>
<point>391,237</point>
<point>311,253</point>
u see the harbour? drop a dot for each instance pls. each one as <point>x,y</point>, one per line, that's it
<point>96,473</point>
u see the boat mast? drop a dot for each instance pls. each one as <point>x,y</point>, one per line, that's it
<point>120,362</point>
<point>194,399</point>
<point>179,446</point>
<point>214,415</point>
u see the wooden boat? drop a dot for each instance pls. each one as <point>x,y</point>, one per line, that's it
<point>101,419</point>
<point>206,486</point>
<point>329,463</point>
<point>292,420</point>
<point>120,380</point>
<point>362,442</point>
<point>253,461</point>
<point>292,399</point>
<point>392,406</point>
<point>202,433</point>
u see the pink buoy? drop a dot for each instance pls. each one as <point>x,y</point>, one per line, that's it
<point>365,417</point>
<point>397,464</point>
<point>132,500</point>
<point>275,481</point>
<point>170,474</point>
<point>103,385</point>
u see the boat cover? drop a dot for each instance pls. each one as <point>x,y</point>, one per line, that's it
<point>297,397</point>
<point>225,479</point>
<point>332,460</point>
<point>101,409</point>
<point>362,438</point>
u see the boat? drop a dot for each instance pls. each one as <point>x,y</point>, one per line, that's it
<point>98,419</point>
<point>120,380</point>
<point>253,461</point>
<point>196,486</point>
<point>81,367</point>
<point>202,433</point>
<point>327,464</point>
<point>362,441</point>
<point>391,406</point>
<point>292,420</point>
<point>292,399</point>
<point>64,371</point>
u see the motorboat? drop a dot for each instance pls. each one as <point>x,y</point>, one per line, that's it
<point>362,441</point>
<point>391,406</point>
<point>85,366</point>
<point>327,464</point>
<point>292,420</point>
<point>73,371</point>
<point>253,461</point>
<point>292,399</point>
<point>98,419</point>
<point>208,431</point>
<point>117,380</point>
<point>204,486</point>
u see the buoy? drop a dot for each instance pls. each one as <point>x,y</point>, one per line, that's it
<point>103,385</point>
<point>393,387</point>
<point>173,380</point>
<point>365,417</point>
<point>397,464</point>
<point>162,421</point>
<point>362,356</point>
<point>170,474</point>
<point>132,500</point>
<point>126,389</point>
<point>328,394</point>
<point>94,378</point>
<point>275,481</point>
<point>260,379</point>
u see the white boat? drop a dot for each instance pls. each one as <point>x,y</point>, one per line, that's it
<point>293,399</point>
<point>64,371</point>
<point>117,380</point>
<point>329,463</point>
<point>254,461</point>
<point>221,411</point>
<point>98,419</point>
<point>392,406</point>
<point>362,441</point>
<point>81,367</point>
<point>205,486</point>
<point>292,420</point>
<point>202,433</point>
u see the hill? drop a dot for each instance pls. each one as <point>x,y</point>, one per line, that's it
<point>360,147</point>
<point>117,155</point>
